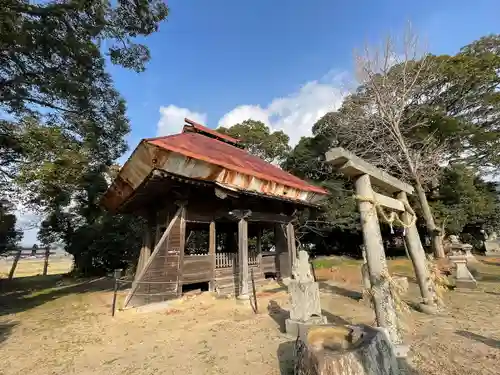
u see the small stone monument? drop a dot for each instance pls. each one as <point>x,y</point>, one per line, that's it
<point>459,248</point>
<point>492,245</point>
<point>304,297</point>
<point>464,279</point>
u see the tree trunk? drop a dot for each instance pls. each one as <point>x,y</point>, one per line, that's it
<point>432,229</point>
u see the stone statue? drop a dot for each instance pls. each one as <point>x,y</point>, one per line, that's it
<point>454,239</point>
<point>301,270</point>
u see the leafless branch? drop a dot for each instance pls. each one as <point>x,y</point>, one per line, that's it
<point>375,122</point>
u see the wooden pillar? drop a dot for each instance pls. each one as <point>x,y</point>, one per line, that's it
<point>292,249</point>
<point>258,245</point>
<point>417,256</point>
<point>46,261</point>
<point>145,250</point>
<point>243,257</point>
<point>211,251</point>
<point>282,256</point>
<point>382,298</point>
<point>182,206</point>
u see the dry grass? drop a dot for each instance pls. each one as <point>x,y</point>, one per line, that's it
<point>54,326</point>
<point>33,267</point>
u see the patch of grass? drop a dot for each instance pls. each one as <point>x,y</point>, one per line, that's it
<point>334,262</point>
<point>33,267</point>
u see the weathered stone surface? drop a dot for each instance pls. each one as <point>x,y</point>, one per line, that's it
<point>464,278</point>
<point>301,271</point>
<point>305,301</point>
<point>304,296</point>
<point>294,327</point>
<point>342,350</point>
<point>492,245</point>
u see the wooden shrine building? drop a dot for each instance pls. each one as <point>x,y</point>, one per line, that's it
<point>208,205</point>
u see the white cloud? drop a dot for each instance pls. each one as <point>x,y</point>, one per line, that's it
<point>296,113</point>
<point>242,113</point>
<point>172,119</point>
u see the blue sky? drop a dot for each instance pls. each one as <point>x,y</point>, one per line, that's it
<point>283,62</point>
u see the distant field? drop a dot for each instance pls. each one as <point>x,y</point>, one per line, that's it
<point>33,267</point>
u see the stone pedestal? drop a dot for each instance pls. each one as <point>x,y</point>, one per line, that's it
<point>492,248</point>
<point>344,350</point>
<point>305,305</point>
<point>294,327</point>
<point>464,279</point>
<point>305,302</point>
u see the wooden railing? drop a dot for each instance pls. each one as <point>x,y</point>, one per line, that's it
<point>226,260</point>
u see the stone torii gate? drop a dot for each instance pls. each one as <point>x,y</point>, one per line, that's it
<point>369,202</point>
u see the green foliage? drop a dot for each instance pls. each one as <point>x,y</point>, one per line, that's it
<point>259,140</point>
<point>465,199</point>
<point>68,123</point>
<point>333,262</point>
<point>461,104</point>
<point>9,236</point>
<point>306,161</point>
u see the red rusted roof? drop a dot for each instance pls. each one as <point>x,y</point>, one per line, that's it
<point>203,129</point>
<point>217,152</point>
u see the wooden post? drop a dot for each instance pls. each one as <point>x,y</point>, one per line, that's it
<point>382,298</point>
<point>417,256</point>
<point>243,257</point>
<point>14,264</point>
<point>282,255</point>
<point>292,249</point>
<point>258,246</point>
<point>182,249</point>
<point>46,261</point>
<point>145,251</point>
<point>211,251</point>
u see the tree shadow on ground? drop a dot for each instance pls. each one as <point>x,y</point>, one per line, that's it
<point>485,340</point>
<point>352,294</point>
<point>21,294</point>
<point>286,357</point>
<point>488,263</point>
<point>406,368</point>
<point>5,330</point>
<point>488,277</point>
<point>493,293</point>
<point>278,314</point>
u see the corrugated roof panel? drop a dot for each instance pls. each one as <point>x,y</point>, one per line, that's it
<point>234,159</point>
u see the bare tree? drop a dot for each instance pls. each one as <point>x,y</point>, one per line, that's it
<point>376,122</point>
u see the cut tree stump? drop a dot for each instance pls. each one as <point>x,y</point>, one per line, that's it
<point>343,350</point>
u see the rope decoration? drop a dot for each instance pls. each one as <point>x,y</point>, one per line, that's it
<point>439,282</point>
<point>401,307</point>
<point>393,218</point>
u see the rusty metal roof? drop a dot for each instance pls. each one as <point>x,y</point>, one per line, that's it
<point>198,128</point>
<point>205,156</point>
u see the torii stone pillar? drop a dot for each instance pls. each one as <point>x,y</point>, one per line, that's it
<point>365,175</point>
<point>385,309</point>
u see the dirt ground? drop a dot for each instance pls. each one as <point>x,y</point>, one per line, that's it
<point>53,326</point>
